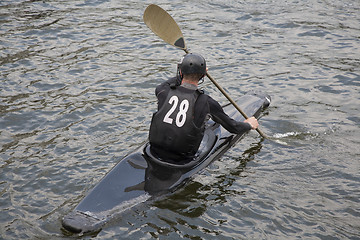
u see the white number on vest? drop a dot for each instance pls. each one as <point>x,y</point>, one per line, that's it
<point>181,115</point>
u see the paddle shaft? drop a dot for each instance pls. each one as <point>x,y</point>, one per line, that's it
<point>232,102</point>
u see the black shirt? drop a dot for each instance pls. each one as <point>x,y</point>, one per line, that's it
<point>205,106</point>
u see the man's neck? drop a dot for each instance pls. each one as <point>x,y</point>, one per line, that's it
<point>189,82</point>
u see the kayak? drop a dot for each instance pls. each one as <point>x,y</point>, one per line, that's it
<point>141,176</point>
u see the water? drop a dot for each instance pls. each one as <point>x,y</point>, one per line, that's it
<point>77,84</point>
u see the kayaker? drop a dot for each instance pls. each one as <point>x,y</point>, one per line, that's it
<point>177,127</point>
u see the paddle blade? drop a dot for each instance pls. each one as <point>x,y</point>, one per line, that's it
<point>163,25</point>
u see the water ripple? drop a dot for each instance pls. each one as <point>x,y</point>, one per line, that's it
<point>77,93</point>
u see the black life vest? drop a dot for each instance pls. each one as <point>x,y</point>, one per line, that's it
<point>172,127</point>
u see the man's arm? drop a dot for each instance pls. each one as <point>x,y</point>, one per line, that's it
<point>174,81</point>
<point>219,116</point>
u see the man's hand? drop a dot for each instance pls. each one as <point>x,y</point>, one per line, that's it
<point>253,122</point>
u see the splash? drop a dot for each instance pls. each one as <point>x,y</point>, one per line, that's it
<point>284,138</point>
<point>288,134</point>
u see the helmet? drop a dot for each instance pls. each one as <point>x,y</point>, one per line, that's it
<point>193,63</point>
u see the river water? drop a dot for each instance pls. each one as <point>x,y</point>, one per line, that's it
<point>77,94</point>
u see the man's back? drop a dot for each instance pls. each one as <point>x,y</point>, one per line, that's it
<point>172,127</point>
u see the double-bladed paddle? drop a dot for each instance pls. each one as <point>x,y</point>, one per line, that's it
<point>163,25</point>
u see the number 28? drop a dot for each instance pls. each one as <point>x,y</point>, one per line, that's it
<point>181,115</point>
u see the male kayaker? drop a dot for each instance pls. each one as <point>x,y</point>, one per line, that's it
<point>177,127</point>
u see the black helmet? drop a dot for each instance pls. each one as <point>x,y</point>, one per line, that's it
<point>193,63</point>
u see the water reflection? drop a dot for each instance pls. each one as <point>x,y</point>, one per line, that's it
<point>192,199</point>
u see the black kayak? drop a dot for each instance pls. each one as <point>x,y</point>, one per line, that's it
<point>141,176</point>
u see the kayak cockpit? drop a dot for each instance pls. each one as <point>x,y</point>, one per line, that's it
<point>206,145</point>
<point>162,175</point>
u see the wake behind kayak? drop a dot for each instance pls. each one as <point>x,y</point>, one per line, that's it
<point>140,175</point>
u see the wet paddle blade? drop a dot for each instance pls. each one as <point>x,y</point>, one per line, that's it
<point>163,25</point>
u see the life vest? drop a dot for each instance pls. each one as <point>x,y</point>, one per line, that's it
<point>172,127</point>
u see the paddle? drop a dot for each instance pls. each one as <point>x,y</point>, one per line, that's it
<point>163,25</point>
